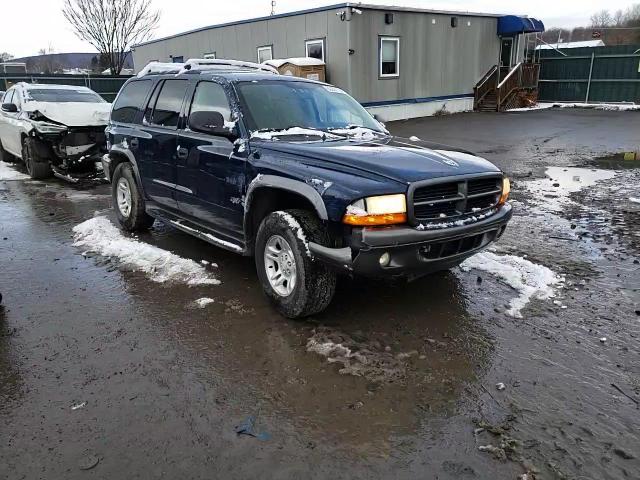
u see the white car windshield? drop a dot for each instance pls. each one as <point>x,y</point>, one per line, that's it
<point>62,95</point>
<point>300,108</point>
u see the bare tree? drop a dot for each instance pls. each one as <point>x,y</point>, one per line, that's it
<point>112,26</point>
<point>601,19</point>
<point>5,57</point>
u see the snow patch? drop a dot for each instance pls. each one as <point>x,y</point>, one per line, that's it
<point>320,185</point>
<point>359,133</point>
<point>456,223</point>
<point>295,226</point>
<point>356,211</point>
<point>100,236</point>
<point>274,134</point>
<point>634,200</point>
<point>8,173</point>
<point>529,279</point>
<point>203,302</point>
<point>413,138</point>
<point>619,107</point>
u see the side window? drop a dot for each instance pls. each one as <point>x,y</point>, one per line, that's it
<point>315,49</point>
<point>167,110</point>
<point>130,101</point>
<point>265,53</point>
<point>8,97</point>
<point>389,57</point>
<point>209,97</point>
<point>17,99</point>
<point>148,112</point>
<point>177,59</point>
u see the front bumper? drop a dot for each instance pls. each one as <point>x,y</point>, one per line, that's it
<point>413,252</point>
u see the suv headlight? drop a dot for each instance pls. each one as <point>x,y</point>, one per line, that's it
<point>379,210</point>
<point>47,127</point>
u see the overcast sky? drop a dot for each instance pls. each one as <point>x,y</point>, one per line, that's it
<point>47,27</point>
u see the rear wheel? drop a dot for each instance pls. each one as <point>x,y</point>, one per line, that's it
<point>37,165</point>
<point>128,201</point>
<point>295,283</point>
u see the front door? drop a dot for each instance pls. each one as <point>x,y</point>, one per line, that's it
<point>506,51</point>
<point>10,124</point>
<point>156,151</point>
<point>211,169</point>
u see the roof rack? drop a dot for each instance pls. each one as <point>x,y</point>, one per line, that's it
<point>198,64</point>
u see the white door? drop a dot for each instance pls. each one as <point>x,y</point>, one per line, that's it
<point>10,124</point>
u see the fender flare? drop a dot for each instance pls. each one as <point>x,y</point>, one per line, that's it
<point>287,184</point>
<point>128,154</point>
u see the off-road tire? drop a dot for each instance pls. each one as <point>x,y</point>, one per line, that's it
<point>138,220</point>
<point>6,156</point>
<point>38,166</point>
<point>315,283</point>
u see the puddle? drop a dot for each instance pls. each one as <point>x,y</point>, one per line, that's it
<point>553,192</point>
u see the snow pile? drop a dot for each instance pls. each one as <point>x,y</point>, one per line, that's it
<point>634,200</point>
<point>298,61</point>
<point>529,279</point>
<point>100,236</point>
<point>203,302</point>
<point>413,138</point>
<point>594,106</point>
<point>8,173</point>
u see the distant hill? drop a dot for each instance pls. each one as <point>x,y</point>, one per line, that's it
<point>57,62</point>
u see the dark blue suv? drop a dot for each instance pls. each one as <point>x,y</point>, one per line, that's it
<point>297,174</point>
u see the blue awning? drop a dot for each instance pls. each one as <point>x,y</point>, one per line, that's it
<point>513,25</point>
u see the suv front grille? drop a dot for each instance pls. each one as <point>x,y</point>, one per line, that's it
<point>452,198</point>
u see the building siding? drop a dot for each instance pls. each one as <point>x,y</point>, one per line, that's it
<point>287,36</point>
<point>435,59</point>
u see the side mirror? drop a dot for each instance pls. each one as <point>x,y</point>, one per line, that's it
<point>211,122</point>
<point>9,107</point>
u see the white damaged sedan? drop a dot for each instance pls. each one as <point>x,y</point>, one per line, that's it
<point>54,129</point>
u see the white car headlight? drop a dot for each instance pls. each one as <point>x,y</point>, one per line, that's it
<point>378,210</point>
<point>47,127</point>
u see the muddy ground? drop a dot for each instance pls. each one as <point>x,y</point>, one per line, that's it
<point>105,373</point>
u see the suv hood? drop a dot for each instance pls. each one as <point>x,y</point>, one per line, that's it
<point>395,158</point>
<point>72,114</point>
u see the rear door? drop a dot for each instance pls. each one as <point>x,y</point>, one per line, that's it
<point>211,170</point>
<point>10,124</point>
<point>157,148</point>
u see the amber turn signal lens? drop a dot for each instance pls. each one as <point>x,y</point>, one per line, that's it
<point>375,220</point>
<point>506,189</point>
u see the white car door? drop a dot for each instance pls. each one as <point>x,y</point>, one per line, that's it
<point>10,124</point>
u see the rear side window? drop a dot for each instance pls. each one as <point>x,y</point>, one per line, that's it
<point>130,101</point>
<point>167,110</point>
<point>209,97</point>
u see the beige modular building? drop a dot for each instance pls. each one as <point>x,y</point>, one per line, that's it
<point>398,62</point>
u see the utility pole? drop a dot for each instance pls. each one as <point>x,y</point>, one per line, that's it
<point>273,7</point>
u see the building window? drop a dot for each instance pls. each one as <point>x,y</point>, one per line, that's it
<point>210,56</point>
<point>177,59</point>
<point>315,49</point>
<point>389,57</point>
<point>265,53</point>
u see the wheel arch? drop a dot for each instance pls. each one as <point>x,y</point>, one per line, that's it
<point>119,155</point>
<point>269,193</point>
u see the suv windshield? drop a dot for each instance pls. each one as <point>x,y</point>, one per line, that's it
<point>62,95</point>
<point>302,108</point>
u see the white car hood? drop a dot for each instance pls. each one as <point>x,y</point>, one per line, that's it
<point>72,114</point>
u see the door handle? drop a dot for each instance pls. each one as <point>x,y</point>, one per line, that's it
<point>182,153</point>
<point>134,143</point>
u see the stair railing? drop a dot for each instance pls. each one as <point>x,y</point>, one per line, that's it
<point>485,86</point>
<point>511,82</point>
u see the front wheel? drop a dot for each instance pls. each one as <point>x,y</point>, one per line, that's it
<point>128,201</point>
<point>296,284</point>
<point>38,166</point>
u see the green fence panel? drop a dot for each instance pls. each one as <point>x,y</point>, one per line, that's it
<point>615,74</point>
